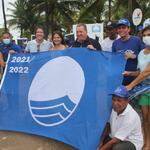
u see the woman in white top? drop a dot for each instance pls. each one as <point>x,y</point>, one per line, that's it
<point>58,41</point>
<point>143,77</point>
<point>39,44</point>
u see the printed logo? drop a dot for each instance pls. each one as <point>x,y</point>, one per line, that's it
<point>56,91</point>
<point>96,28</point>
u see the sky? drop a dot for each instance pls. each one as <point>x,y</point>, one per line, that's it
<point>6,11</point>
<point>13,32</point>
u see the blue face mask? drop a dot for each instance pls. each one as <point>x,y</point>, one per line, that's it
<point>6,41</point>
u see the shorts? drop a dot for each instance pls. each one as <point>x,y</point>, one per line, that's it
<point>145,99</point>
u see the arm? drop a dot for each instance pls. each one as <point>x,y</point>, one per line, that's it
<point>109,144</point>
<point>15,48</point>
<point>2,62</point>
<point>105,134</point>
<point>94,45</point>
<point>91,47</point>
<point>141,77</point>
<point>131,73</point>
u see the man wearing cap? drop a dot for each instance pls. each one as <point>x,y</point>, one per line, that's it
<point>139,31</point>
<point>129,45</point>
<point>123,132</point>
<point>111,30</point>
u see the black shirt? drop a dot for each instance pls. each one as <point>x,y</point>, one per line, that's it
<point>88,41</point>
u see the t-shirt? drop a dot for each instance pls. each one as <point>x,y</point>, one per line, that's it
<point>107,44</point>
<point>143,60</point>
<point>135,45</point>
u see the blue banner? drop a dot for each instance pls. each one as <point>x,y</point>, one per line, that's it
<point>62,95</point>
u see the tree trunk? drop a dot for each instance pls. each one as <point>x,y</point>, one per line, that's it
<point>4,15</point>
<point>46,19</point>
<point>130,10</point>
<point>109,17</point>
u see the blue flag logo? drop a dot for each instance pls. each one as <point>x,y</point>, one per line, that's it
<point>60,96</point>
<point>64,95</point>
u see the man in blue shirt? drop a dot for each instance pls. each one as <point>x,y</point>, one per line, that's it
<point>7,46</point>
<point>129,45</point>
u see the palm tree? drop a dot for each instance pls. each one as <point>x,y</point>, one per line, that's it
<point>4,15</point>
<point>120,7</point>
<point>23,16</point>
<point>145,7</point>
<point>92,11</point>
<point>57,12</point>
<point>53,14</point>
<point>109,1</point>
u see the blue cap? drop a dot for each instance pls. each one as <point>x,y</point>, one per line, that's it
<point>139,28</point>
<point>124,22</point>
<point>121,91</point>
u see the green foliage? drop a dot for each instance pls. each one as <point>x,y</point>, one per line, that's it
<point>145,7</point>
<point>23,16</point>
<point>92,11</point>
<point>62,14</point>
<point>59,14</point>
<point>1,31</point>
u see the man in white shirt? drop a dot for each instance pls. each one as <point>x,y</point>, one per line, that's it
<point>124,128</point>
<point>111,30</point>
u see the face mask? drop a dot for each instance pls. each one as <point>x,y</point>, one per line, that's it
<point>146,40</point>
<point>6,41</point>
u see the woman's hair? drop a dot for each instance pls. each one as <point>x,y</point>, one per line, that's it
<point>61,36</point>
<point>39,27</point>
<point>1,36</point>
<point>146,28</point>
<point>7,33</point>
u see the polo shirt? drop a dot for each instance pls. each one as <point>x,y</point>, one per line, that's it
<point>127,126</point>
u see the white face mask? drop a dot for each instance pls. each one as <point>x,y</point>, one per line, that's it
<point>6,41</point>
<point>146,40</point>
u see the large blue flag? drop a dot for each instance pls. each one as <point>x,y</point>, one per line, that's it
<point>63,95</point>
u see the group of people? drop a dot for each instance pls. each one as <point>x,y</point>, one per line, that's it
<point>39,44</point>
<point>123,131</point>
